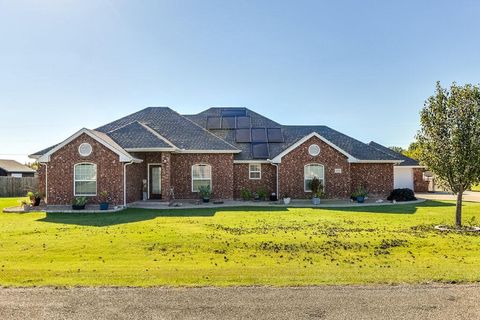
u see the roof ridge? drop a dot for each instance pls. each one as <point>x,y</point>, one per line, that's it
<point>199,126</point>
<point>158,135</point>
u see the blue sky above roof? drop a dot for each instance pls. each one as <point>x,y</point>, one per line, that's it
<point>361,67</point>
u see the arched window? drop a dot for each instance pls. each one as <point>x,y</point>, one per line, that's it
<point>85,179</point>
<point>201,176</point>
<point>311,171</point>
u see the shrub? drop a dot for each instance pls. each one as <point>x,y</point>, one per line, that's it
<point>262,193</point>
<point>205,192</point>
<point>246,194</point>
<point>404,194</point>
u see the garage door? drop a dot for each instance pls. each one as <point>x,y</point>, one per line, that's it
<point>402,177</point>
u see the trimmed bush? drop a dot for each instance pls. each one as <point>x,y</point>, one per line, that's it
<point>404,194</point>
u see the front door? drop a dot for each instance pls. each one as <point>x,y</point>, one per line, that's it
<point>155,182</point>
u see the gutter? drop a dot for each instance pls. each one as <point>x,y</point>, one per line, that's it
<point>125,183</point>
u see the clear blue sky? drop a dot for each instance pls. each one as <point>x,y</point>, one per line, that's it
<point>361,67</point>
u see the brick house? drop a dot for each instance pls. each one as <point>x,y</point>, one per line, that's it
<point>161,152</point>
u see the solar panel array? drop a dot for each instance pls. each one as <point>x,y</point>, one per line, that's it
<point>260,151</point>
<point>238,120</point>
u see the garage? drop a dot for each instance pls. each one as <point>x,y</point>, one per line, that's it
<point>402,177</point>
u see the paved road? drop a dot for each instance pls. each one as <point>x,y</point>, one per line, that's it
<point>327,302</point>
<point>467,196</point>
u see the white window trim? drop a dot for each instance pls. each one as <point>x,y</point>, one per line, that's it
<point>211,173</point>
<point>250,171</point>
<point>323,179</point>
<point>96,181</point>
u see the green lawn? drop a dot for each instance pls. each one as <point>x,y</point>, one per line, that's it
<point>242,246</point>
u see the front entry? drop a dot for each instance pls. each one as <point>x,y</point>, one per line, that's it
<point>155,183</point>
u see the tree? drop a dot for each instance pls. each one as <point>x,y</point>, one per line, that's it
<point>449,138</point>
<point>413,151</point>
<point>397,149</point>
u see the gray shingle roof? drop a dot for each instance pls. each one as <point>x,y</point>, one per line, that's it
<point>406,160</point>
<point>160,127</point>
<point>291,135</point>
<point>177,129</point>
<point>14,166</point>
<point>356,148</point>
<point>136,135</point>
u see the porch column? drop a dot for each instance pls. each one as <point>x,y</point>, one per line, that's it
<point>166,176</point>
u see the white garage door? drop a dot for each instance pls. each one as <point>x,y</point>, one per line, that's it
<point>402,177</point>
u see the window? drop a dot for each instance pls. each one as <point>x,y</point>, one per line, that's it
<point>255,171</point>
<point>85,149</point>
<point>311,171</point>
<point>16,175</point>
<point>85,179</point>
<point>314,150</point>
<point>201,176</point>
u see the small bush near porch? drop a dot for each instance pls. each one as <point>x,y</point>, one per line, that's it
<point>242,246</point>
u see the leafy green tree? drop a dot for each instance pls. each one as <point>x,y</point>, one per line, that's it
<point>397,149</point>
<point>449,138</point>
<point>413,151</point>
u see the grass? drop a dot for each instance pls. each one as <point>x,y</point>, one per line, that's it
<point>239,246</point>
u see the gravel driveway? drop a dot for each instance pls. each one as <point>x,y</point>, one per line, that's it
<point>326,302</point>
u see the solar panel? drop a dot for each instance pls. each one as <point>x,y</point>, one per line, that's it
<point>260,150</point>
<point>214,122</point>
<point>259,135</point>
<point>242,135</point>
<point>274,135</point>
<point>243,122</point>
<point>232,112</point>
<point>228,122</point>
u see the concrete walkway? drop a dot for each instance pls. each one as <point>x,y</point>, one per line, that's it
<point>302,203</point>
<point>443,195</point>
<point>323,302</point>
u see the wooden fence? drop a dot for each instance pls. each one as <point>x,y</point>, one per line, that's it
<point>17,187</point>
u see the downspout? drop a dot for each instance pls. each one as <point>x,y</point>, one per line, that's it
<point>125,183</point>
<point>276,167</point>
<point>46,181</point>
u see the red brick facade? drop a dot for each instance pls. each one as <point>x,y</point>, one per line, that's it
<point>222,174</point>
<point>228,179</point>
<point>377,178</point>
<point>291,171</point>
<point>419,185</point>
<point>268,180</point>
<point>61,168</point>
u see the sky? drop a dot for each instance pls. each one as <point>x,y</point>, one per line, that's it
<point>364,68</point>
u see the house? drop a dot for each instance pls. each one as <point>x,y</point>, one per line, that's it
<point>166,154</point>
<point>12,168</point>
<point>407,174</point>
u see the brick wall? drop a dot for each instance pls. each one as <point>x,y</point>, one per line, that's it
<point>242,180</point>
<point>377,178</point>
<point>222,174</point>
<point>291,171</point>
<point>419,185</point>
<point>61,168</point>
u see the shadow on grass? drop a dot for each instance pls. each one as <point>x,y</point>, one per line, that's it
<point>401,208</point>
<point>137,215</point>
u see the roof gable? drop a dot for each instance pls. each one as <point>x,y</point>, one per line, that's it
<point>101,137</point>
<point>181,132</point>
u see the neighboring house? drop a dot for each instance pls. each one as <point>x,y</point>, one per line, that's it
<point>408,173</point>
<point>12,168</point>
<point>229,149</point>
